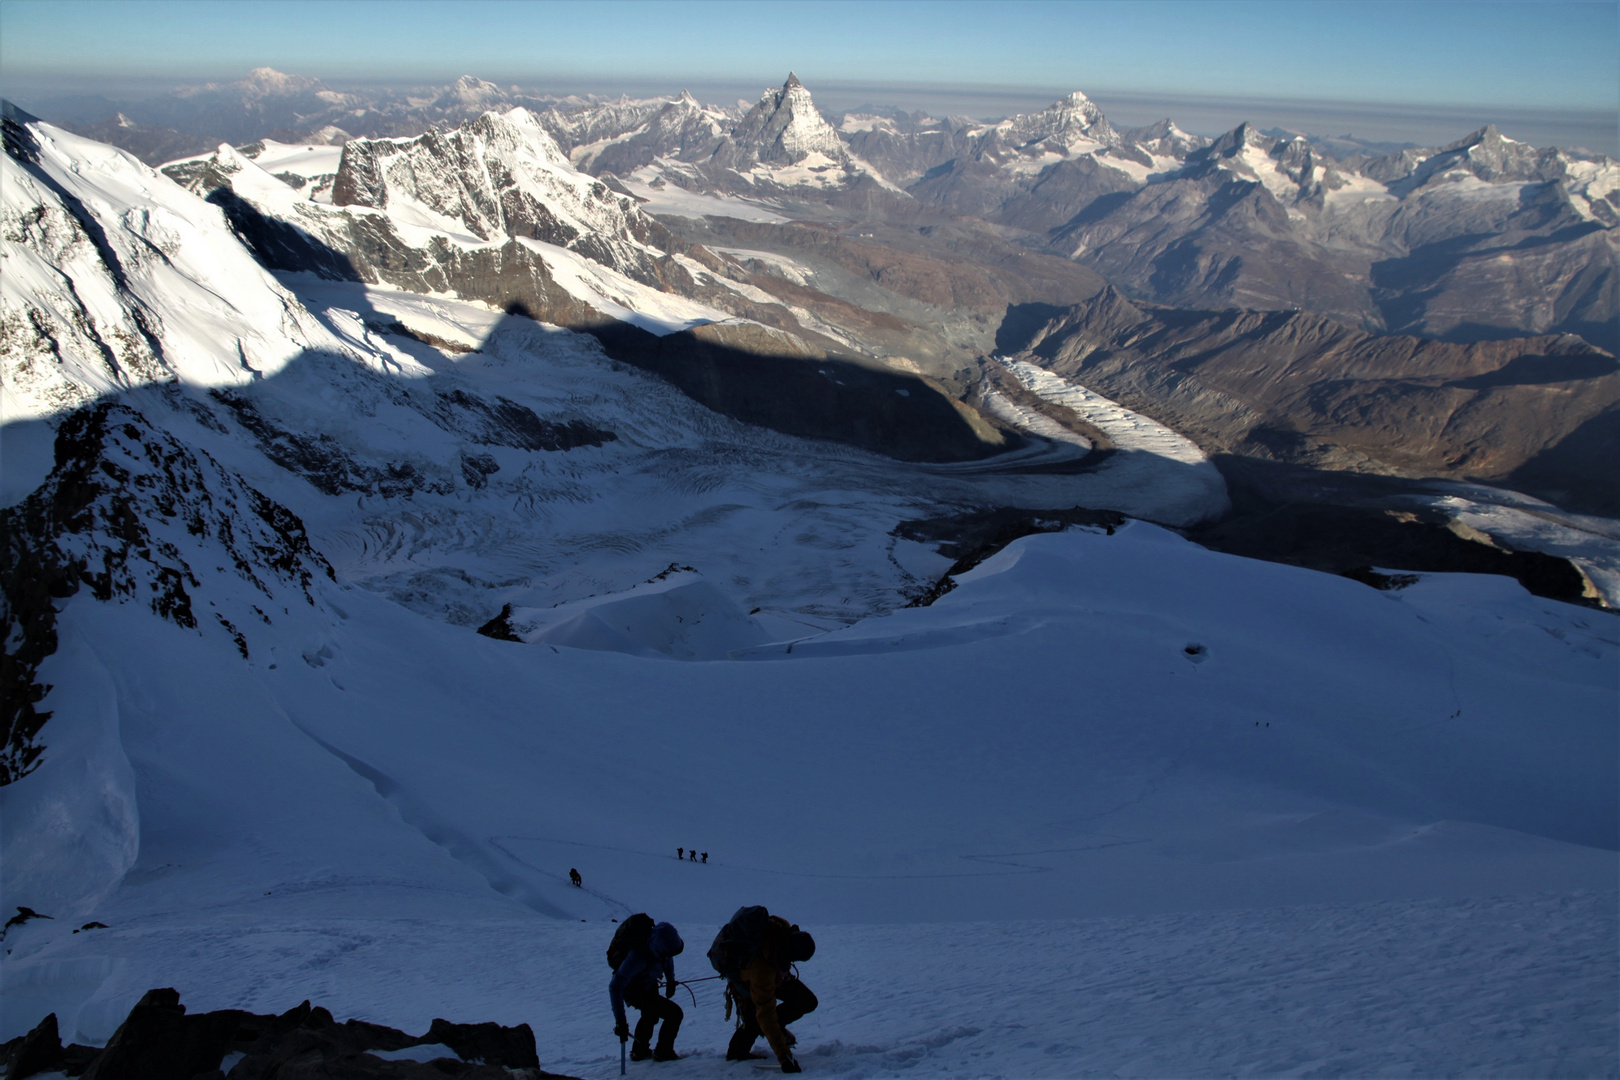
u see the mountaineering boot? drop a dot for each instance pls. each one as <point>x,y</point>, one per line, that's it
<point>640,1052</point>
<point>665,1053</point>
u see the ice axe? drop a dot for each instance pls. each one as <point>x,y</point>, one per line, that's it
<point>621,1055</point>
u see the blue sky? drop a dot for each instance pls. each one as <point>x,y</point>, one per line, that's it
<point>1424,71</point>
<point>1537,55</point>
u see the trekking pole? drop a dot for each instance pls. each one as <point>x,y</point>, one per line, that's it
<point>621,1056</point>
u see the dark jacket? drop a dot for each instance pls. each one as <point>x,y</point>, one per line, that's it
<point>637,978</point>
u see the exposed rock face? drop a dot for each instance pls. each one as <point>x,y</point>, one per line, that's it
<point>499,176</point>
<point>366,239</point>
<point>784,128</point>
<point>159,1039</point>
<point>133,515</point>
<point>1298,387</point>
<point>1485,238</point>
<point>681,129</point>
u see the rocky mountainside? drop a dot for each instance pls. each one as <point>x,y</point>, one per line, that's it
<point>782,144</point>
<point>1536,414</point>
<point>681,129</point>
<point>1485,238</point>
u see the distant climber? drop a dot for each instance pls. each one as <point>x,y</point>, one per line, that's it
<point>680,853</point>
<point>692,855</point>
<point>642,951</point>
<point>755,952</point>
<point>705,856</point>
<point>573,875</point>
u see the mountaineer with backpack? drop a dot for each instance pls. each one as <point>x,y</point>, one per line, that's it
<point>641,951</point>
<point>755,952</point>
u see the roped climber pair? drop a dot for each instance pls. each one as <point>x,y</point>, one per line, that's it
<point>754,952</point>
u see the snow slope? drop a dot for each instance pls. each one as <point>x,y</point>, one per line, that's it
<point>1114,805</point>
<point>1038,745</point>
<point>113,277</point>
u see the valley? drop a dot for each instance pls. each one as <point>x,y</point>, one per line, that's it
<point>1143,599</point>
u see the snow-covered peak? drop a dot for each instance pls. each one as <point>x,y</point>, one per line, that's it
<point>463,175</point>
<point>1244,135</point>
<point>268,82</point>
<point>1166,139</point>
<point>115,276</point>
<point>783,128</point>
<point>468,91</point>
<point>1072,121</point>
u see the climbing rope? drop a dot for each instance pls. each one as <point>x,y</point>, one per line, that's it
<point>687,983</point>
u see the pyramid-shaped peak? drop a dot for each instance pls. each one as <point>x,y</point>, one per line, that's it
<point>792,81</point>
<point>1072,100</point>
<point>1486,134</point>
<point>686,98</point>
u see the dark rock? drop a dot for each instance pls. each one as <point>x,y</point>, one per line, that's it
<point>500,627</point>
<point>22,916</point>
<point>87,527</point>
<point>38,1051</point>
<point>322,459</point>
<point>1346,525</point>
<point>506,423</point>
<point>974,536</point>
<point>1536,414</point>
<point>490,1043</point>
<point>159,1041</point>
<point>476,469</point>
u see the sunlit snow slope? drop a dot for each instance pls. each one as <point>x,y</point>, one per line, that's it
<point>1115,805</point>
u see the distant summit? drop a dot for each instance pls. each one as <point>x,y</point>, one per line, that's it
<point>783,128</point>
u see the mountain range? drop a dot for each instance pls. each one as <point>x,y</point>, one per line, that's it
<point>397,520</point>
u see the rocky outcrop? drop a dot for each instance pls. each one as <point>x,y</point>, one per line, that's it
<point>133,515</point>
<point>159,1040</point>
<point>783,128</point>
<point>500,176</point>
<point>681,129</point>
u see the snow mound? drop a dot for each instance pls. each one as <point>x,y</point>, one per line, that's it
<point>680,616</point>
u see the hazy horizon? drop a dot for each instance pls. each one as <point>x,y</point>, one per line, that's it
<point>1423,125</point>
<point>1422,72</point>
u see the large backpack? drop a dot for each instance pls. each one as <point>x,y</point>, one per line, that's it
<point>631,934</point>
<point>739,941</point>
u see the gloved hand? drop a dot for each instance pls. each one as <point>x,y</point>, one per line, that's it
<point>791,1066</point>
<point>622,1031</point>
<point>669,991</point>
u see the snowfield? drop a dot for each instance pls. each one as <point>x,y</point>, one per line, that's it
<point>1114,805</point>
<point>1034,834</point>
